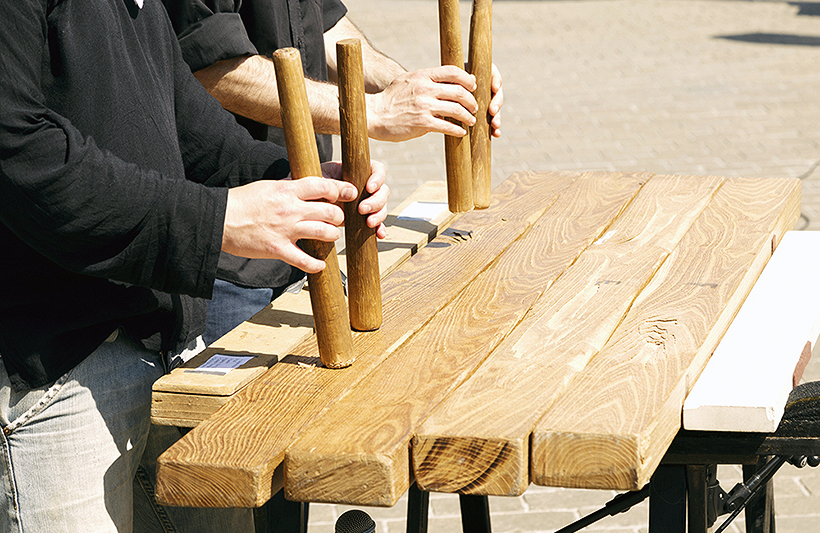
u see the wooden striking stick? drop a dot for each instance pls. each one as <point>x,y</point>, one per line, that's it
<point>363,280</point>
<point>456,149</point>
<point>480,60</point>
<point>326,294</point>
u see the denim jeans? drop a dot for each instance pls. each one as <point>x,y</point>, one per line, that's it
<point>231,305</point>
<point>80,455</point>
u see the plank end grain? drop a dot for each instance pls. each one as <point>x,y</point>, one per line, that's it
<point>376,480</point>
<point>591,463</point>
<point>498,467</point>
<point>194,486</point>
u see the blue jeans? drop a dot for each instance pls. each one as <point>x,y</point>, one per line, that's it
<point>80,454</point>
<point>231,305</point>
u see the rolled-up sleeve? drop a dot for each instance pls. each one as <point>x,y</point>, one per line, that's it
<point>209,31</point>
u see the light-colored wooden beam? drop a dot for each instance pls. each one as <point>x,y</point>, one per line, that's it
<point>250,433</point>
<point>185,397</point>
<point>612,426</point>
<point>748,379</point>
<point>365,460</point>
<point>477,440</point>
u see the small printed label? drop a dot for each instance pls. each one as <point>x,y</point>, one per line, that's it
<point>221,364</point>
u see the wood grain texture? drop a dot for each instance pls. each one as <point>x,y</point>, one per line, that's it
<point>479,61</point>
<point>182,398</point>
<point>364,295</point>
<point>327,299</point>
<point>746,384</point>
<point>477,440</point>
<point>613,424</point>
<point>365,461</point>
<point>456,149</point>
<point>251,432</point>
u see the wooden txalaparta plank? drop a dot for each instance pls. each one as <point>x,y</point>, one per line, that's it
<point>365,460</point>
<point>229,459</point>
<point>477,440</point>
<point>613,424</point>
<point>186,397</point>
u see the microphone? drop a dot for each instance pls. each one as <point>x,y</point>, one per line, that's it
<point>355,521</point>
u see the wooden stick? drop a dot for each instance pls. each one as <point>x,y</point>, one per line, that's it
<point>363,280</point>
<point>456,149</point>
<point>480,61</point>
<point>326,295</point>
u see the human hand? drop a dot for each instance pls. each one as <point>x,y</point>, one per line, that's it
<point>373,206</point>
<point>496,103</point>
<point>418,102</point>
<point>265,219</point>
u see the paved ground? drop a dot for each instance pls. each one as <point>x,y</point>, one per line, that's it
<point>668,86</point>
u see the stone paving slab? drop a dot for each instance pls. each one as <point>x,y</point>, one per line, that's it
<point>729,87</point>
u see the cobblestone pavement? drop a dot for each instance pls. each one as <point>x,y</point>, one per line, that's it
<point>668,86</point>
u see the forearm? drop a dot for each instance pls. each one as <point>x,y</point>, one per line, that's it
<point>379,70</point>
<point>247,86</point>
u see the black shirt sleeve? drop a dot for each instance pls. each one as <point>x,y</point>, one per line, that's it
<point>209,31</point>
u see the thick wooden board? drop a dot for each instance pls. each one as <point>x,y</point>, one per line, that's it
<point>229,459</point>
<point>747,381</point>
<point>477,440</point>
<point>612,426</point>
<point>365,460</point>
<point>185,397</point>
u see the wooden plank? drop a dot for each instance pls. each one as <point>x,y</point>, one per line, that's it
<point>185,397</point>
<point>477,440</point>
<point>748,379</point>
<point>365,461</point>
<point>228,460</point>
<point>611,428</point>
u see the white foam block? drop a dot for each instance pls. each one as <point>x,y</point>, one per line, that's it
<point>747,381</point>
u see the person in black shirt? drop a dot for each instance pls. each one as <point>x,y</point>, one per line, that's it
<point>121,181</point>
<point>228,43</point>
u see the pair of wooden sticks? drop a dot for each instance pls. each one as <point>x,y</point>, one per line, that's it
<point>468,158</point>
<point>333,317</point>
<point>468,172</point>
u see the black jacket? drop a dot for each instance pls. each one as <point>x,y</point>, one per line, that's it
<point>113,167</point>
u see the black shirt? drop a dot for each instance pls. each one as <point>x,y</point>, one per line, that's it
<point>212,30</point>
<point>113,167</point>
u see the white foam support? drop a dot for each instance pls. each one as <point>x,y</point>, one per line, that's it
<point>747,381</point>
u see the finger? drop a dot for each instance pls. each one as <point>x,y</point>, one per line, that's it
<point>449,93</point>
<point>324,212</point>
<point>495,80</point>
<point>453,75</point>
<point>495,126</point>
<point>496,103</point>
<point>378,175</point>
<point>330,190</point>
<point>375,202</point>
<point>381,232</point>
<point>377,219</point>
<point>439,125</point>
<point>315,230</point>
<point>456,112</point>
<point>295,256</point>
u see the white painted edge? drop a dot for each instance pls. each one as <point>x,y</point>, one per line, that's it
<point>747,381</point>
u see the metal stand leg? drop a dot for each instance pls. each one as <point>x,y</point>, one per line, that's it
<point>279,515</point>
<point>760,510</point>
<point>667,500</point>
<point>475,513</point>
<point>418,504</point>
<point>697,489</point>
